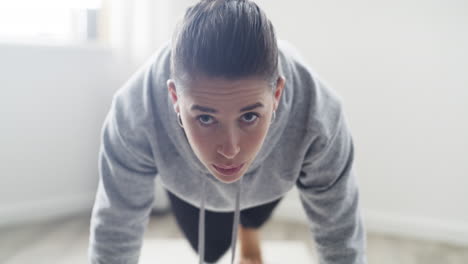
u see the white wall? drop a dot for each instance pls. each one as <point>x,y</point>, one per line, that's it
<point>53,100</point>
<point>401,68</point>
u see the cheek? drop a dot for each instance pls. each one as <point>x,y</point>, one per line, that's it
<point>253,141</point>
<point>200,141</point>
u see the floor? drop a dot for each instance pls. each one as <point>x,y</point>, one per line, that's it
<point>66,240</point>
<point>179,251</point>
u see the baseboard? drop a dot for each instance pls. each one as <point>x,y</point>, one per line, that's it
<point>45,209</point>
<point>413,227</point>
<point>445,231</point>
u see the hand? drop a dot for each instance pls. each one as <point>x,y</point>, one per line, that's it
<point>250,261</point>
<point>250,246</point>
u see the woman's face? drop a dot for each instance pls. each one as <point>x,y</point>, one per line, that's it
<point>226,121</point>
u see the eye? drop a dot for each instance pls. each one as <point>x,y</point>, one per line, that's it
<point>250,117</point>
<point>205,120</point>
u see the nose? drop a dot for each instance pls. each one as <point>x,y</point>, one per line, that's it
<point>230,144</point>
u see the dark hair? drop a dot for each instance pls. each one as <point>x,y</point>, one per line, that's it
<point>232,39</point>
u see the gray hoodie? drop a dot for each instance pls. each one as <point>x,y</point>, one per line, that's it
<point>309,146</point>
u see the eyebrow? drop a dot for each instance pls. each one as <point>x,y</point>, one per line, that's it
<point>212,110</point>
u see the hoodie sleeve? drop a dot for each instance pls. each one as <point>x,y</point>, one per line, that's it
<point>125,191</point>
<point>329,193</point>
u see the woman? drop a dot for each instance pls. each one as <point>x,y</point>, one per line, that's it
<point>230,119</point>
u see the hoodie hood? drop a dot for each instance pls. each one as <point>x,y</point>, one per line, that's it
<point>178,137</point>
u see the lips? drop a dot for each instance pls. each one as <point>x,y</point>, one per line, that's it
<point>226,167</point>
<point>228,170</point>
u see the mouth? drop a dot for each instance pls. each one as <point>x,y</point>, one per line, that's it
<point>228,170</point>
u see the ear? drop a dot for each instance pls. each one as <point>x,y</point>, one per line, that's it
<point>279,90</point>
<point>171,87</point>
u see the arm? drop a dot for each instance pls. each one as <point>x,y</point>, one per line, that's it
<point>125,191</point>
<point>330,197</point>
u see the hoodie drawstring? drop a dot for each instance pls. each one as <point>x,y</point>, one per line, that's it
<point>201,227</point>
<point>201,224</point>
<point>236,220</point>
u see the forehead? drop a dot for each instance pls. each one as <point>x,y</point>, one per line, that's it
<point>221,86</point>
<point>224,94</point>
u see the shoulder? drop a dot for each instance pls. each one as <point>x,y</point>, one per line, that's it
<point>290,52</point>
<point>134,103</point>
<point>314,99</point>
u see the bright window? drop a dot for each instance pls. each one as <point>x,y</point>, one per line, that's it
<point>49,19</point>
